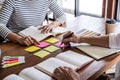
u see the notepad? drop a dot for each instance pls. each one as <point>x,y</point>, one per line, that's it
<point>59,44</point>
<point>97,52</point>
<point>51,48</point>
<point>36,34</point>
<point>52,40</point>
<point>32,49</point>
<point>42,44</point>
<point>41,53</point>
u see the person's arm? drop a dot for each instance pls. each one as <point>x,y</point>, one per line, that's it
<point>102,41</point>
<point>60,18</point>
<point>96,40</point>
<point>5,13</point>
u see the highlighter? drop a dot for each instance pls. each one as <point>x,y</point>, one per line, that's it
<point>9,62</point>
<point>13,64</point>
<point>10,57</point>
<point>21,60</point>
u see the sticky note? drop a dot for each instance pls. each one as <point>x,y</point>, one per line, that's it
<point>51,48</point>
<point>42,44</point>
<point>32,49</point>
<point>52,40</point>
<point>58,44</point>
<point>41,53</point>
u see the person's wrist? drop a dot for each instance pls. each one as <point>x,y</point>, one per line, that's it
<point>80,39</point>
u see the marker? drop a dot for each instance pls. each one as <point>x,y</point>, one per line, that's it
<point>0,52</point>
<point>13,64</point>
<point>9,57</point>
<point>22,60</point>
<point>9,62</point>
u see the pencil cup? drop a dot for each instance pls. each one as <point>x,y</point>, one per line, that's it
<point>110,26</point>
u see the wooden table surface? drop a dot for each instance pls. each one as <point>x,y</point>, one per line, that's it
<point>88,72</point>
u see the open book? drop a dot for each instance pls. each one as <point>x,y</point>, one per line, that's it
<point>69,59</point>
<point>29,74</point>
<point>97,52</point>
<point>36,34</point>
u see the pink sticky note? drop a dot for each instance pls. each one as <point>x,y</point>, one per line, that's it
<point>60,45</point>
<point>42,44</point>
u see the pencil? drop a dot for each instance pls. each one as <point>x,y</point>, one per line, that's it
<point>67,37</point>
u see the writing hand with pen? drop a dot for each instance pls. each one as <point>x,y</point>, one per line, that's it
<point>70,37</point>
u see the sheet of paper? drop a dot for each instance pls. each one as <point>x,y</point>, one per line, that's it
<point>32,49</point>
<point>42,44</point>
<point>58,44</point>
<point>41,53</point>
<point>51,48</point>
<point>52,40</point>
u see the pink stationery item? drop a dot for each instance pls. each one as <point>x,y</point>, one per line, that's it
<point>59,44</point>
<point>11,59</point>
<point>42,44</point>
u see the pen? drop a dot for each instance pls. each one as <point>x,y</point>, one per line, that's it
<point>0,52</point>
<point>67,36</point>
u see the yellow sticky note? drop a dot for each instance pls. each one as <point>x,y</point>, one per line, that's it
<point>41,53</point>
<point>32,49</point>
<point>52,40</point>
<point>51,48</point>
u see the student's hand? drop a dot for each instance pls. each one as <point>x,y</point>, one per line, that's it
<point>73,38</point>
<point>47,28</point>
<point>65,73</point>
<point>28,40</point>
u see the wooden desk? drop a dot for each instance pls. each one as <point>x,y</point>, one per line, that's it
<point>89,72</point>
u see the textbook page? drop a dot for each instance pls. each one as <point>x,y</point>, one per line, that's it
<point>33,74</point>
<point>48,66</point>
<point>13,77</point>
<point>97,52</point>
<point>74,58</point>
<point>36,34</point>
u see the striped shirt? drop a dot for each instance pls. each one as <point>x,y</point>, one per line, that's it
<point>114,40</point>
<point>20,14</point>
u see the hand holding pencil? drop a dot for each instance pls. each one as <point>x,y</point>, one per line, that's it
<point>70,37</point>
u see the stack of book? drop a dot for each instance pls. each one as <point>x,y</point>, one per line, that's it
<point>9,61</point>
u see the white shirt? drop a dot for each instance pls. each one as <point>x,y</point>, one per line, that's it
<point>114,40</point>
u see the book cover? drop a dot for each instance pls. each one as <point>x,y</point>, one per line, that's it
<point>97,52</point>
